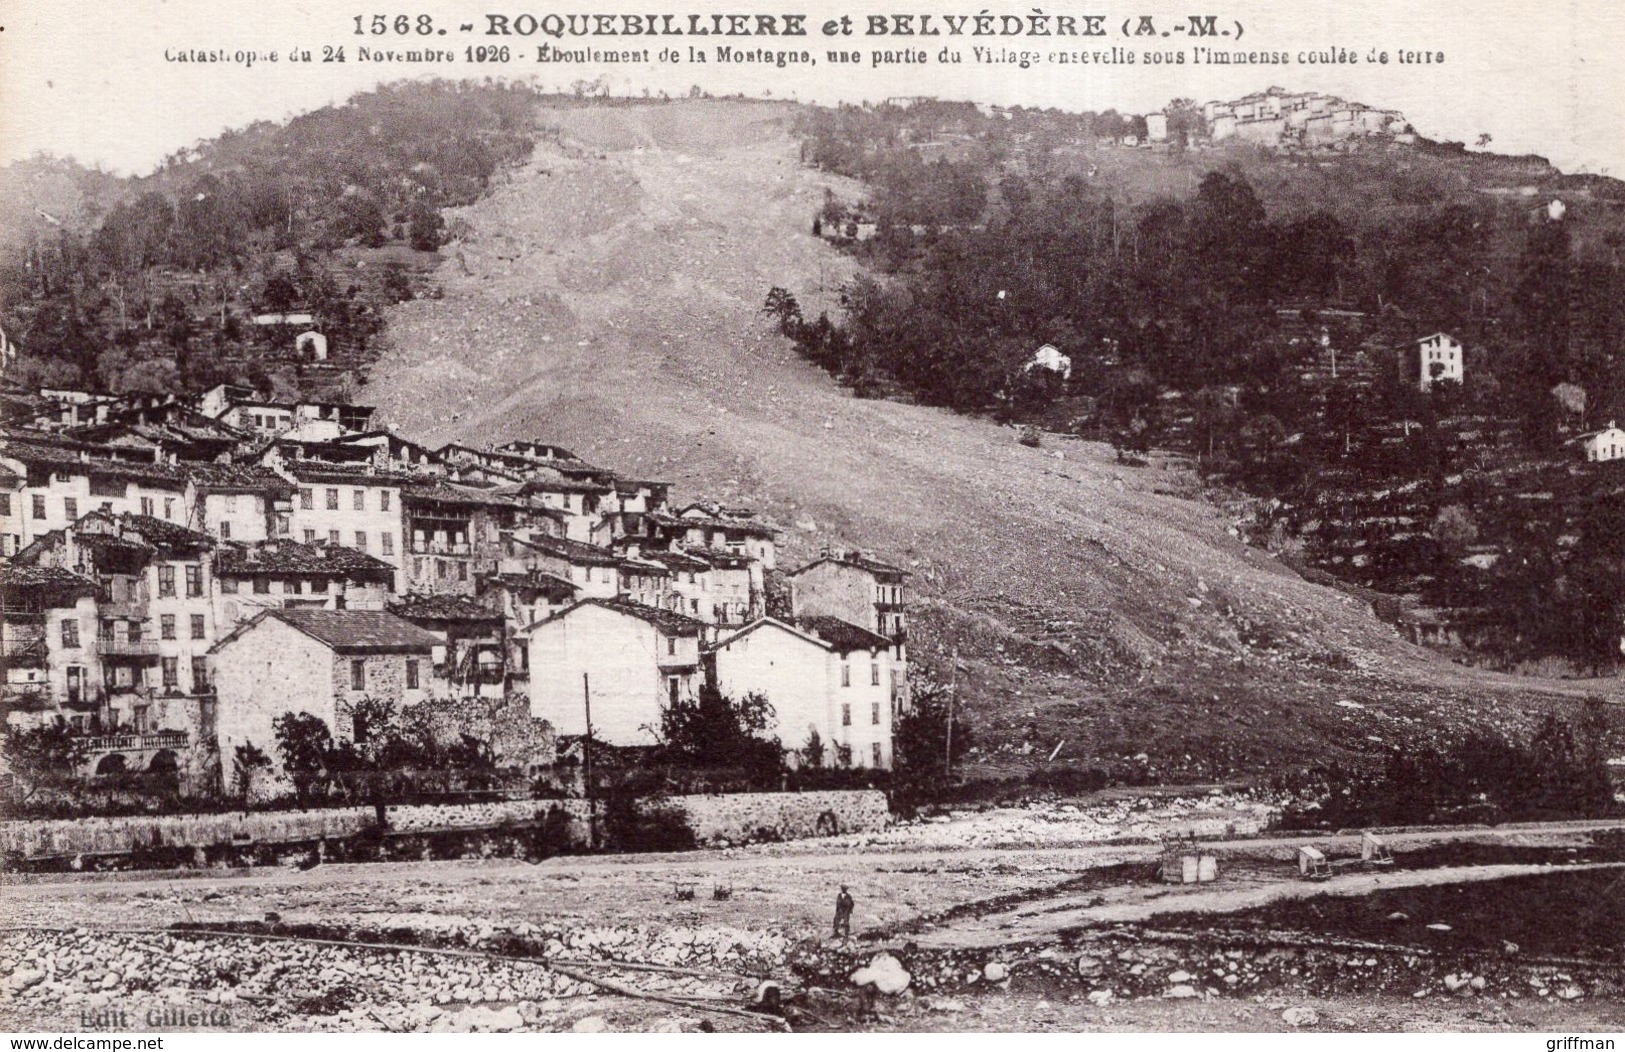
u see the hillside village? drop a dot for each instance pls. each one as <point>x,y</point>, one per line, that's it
<point>181,572</point>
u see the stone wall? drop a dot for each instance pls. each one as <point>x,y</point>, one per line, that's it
<point>732,818</point>
<point>737,817</point>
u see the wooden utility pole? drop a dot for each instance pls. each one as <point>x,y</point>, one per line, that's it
<point>953,685</point>
<point>586,765</point>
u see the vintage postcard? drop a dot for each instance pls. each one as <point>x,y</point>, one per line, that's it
<point>819,517</point>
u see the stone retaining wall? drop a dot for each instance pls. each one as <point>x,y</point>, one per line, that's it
<point>733,818</point>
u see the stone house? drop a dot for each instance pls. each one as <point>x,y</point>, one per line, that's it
<point>318,661</point>
<point>636,659</point>
<point>820,675</point>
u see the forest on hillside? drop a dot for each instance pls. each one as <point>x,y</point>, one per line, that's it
<point>146,284</point>
<point>1204,321</point>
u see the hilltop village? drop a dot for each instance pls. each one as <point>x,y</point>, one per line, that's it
<point>181,572</point>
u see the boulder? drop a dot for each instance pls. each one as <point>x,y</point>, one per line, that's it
<point>1300,1015</point>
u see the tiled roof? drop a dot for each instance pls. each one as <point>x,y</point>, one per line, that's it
<point>283,556</point>
<point>237,478</point>
<point>16,578</point>
<point>578,552</point>
<point>340,474</point>
<point>163,533</point>
<point>446,493</point>
<point>551,585</point>
<point>358,631</point>
<point>66,462</point>
<point>844,636</point>
<point>676,560</point>
<point>720,560</point>
<point>667,621</point>
<point>443,608</point>
<point>857,560</point>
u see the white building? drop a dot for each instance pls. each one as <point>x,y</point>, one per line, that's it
<point>637,659</point>
<point>1434,359</point>
<point>822,676</point>
<point>1049,357</point>
<point>1607,444</point>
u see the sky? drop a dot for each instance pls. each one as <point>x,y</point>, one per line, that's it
<point>89,79</point>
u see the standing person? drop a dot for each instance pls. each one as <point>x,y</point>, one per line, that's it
<point>843,914</point>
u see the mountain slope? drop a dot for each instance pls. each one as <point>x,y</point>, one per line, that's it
<point>607,297</point>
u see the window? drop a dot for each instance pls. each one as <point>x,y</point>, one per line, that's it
<point>135,631</point>
<point>169,507</point>
<point>846,675</point>
<point>262,586</point>
<point>846,715</point>
<point>874,713</point>
<point>358,675</point>
<point>383,500</point>
<point>172,673</point>
<point>199,629</point>
<point>5,504</point>
<point>146,505</point>
<point>310,536</point>
<point>671,644</point>
<point>318,585</point>
<point>166,581</point>
<point>332,499</point>
<point>333,537</point>
<point>200,675</point>
<point>462,571</point>
<point>194,581</point>
<point>39,506</point>
<point>225,531</point>
<point>673,684</point>
<point>166,626</point>
<point>292,587</point>
<point>228,585</point>
<point>307,499</point>
<point>361,540</point>
<point>70,632</point>
<point>360,500</point>
<point>874,674</point>
<point>874,748</point>
<point>411,674</point>
<point>386,543</point>
<point>71,507</point>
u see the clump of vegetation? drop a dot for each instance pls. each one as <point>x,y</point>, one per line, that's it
<point>1561,772</point>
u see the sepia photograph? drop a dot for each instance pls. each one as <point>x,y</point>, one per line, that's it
<point>835,520</point>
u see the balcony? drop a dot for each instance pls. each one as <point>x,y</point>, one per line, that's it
<point>137,648</point>
<point>440,548</point>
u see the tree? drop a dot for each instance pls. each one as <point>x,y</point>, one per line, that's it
<point>1454,528</point>
<point>46,756</point>
<point>247,759</point>
<point>713,730</point>
<point>921,765</point>
<point>305,744</point>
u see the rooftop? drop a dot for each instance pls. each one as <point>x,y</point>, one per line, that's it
<point>416,607</point>
<point>668,622</point>
<point>844,636</point>
<point>351,631</point>
<point>284,556</point>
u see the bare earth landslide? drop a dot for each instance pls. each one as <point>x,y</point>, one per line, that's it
<point>607,297</point>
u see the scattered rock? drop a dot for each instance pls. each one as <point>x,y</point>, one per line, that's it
<point>1101,998</point>
<point>1300,1015</point>
<point>995,972</point>
<point>1181,992</point>
<point>591,1024</point>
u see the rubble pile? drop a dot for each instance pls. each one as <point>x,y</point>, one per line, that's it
<point>1126,965</point>
<point>80,973</point>
<point>1049,824</point>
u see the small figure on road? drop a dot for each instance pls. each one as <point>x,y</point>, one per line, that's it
<point>843,914</point>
